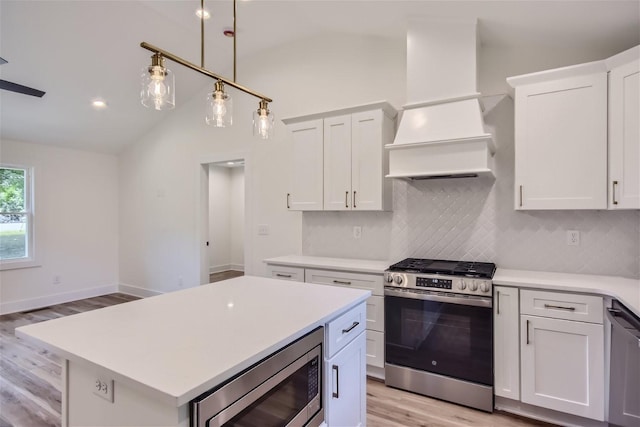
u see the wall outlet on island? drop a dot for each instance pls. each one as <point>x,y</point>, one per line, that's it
<point>104,388</point>
<point>573,237</point>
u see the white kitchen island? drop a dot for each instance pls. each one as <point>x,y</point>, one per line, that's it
<point>157,354</point>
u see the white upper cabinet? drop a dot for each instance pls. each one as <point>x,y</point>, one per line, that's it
<point>337,163</point>
<point>561,139</point>
<point>352,159</point>
<point>370,131</point>
<point>306,182</point>
<point>571,125</point>
<point>624,130</point>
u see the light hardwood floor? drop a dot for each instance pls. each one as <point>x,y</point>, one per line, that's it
<point>224,275</point>
<point>30,385</point>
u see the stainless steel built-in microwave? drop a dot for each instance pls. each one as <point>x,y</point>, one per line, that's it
<point>284,389</point>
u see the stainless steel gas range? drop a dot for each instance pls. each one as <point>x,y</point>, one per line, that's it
<point>439,330</point>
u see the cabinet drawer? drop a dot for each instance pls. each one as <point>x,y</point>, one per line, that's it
<point>370,282</point>
<point>286,273</point>
<point>375,313</point>
<point>560,305</point>
<point>375,349</point>
<point>339,332</point>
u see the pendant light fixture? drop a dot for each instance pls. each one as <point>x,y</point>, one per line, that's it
<point>158,90</point>
<point>157,85</point>
<point>219,107</point>
<point>263,122</point>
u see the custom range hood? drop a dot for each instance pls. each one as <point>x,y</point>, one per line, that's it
<point>441,133</point>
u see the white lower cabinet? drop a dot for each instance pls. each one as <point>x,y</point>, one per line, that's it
<point>506,342</point>
<point>345,391</point>
<point>375,349</point>
<point>563,365</point>
<point>345,384</point>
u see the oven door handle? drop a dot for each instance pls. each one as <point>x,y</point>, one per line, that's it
<point>478,302</point>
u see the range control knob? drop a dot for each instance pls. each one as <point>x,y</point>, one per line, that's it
<point>484,287</point>
<point>389,278</point>
<point>398,280</point>
<point>462,285</point>
<point>473,286</point>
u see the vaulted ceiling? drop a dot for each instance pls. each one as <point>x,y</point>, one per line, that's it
<point>80,50</point>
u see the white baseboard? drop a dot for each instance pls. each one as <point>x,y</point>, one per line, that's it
<point>45,301</point>
<point>137,291</point>
<point>226,267</point>
<point>236,267</point>
<point>219,268</point>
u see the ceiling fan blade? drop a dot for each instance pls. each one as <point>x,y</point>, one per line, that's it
<point>15,87</point>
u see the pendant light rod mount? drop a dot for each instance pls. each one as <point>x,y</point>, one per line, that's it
<point>202,70</point>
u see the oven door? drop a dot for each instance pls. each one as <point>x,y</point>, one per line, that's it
<point>450,336</point>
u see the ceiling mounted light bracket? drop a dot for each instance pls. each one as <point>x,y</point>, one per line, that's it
<point>157,79</point>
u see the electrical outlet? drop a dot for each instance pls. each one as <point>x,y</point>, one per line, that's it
<point>357,232</point>
<point>263,230</point>
<point>103,388</point>
<point>57,279</point>
<point>573,237</point>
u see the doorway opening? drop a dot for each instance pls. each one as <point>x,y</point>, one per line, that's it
<point>226,218</point>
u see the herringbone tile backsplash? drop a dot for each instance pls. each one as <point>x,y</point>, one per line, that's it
<point>473,219</point>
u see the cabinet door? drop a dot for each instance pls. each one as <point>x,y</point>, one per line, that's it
<point>367,175</point>
<point>337,163</point>
<point>624,136</point>
<point>506,343</point>
<point>563,365</point>
<point>345,391</point>
<point>561,144</point>
<point>375,349</point>
<point>306,180</point>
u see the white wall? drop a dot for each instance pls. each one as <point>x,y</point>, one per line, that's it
<point>76,206</point>
<point>160,174</point>
<point>474,219</point>
<point>219,218</point>
<point>226,218</point>
<point>236,216</point>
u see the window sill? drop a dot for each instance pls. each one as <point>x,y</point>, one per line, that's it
<point>19,263</point>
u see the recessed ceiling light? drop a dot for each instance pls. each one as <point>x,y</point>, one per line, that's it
<point>203,14</point>
<point>99,104</point>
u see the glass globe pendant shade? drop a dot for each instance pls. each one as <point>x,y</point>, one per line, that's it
<point>157,85</point>
<point>263,121</point>
<point>219,107</point>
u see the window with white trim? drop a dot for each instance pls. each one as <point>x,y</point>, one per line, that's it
<point>16,217</point>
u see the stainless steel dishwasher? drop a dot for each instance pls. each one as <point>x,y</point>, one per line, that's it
<point>624,381</point>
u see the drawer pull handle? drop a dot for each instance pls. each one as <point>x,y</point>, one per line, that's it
<point>346,199</point>
<point>354,199</point>
<point>559,307</point>
<point>613,192</point>
<point>527,332</point>
<point>336,393</point>
<point>288,195</point>
<point>284,275</point>
<point>341,282</point>
<point>350,328</point>
<point>521,196</point>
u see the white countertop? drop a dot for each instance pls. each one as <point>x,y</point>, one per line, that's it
<point>625,290</point>
<point>181,344</point>
<point>341,264</point>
